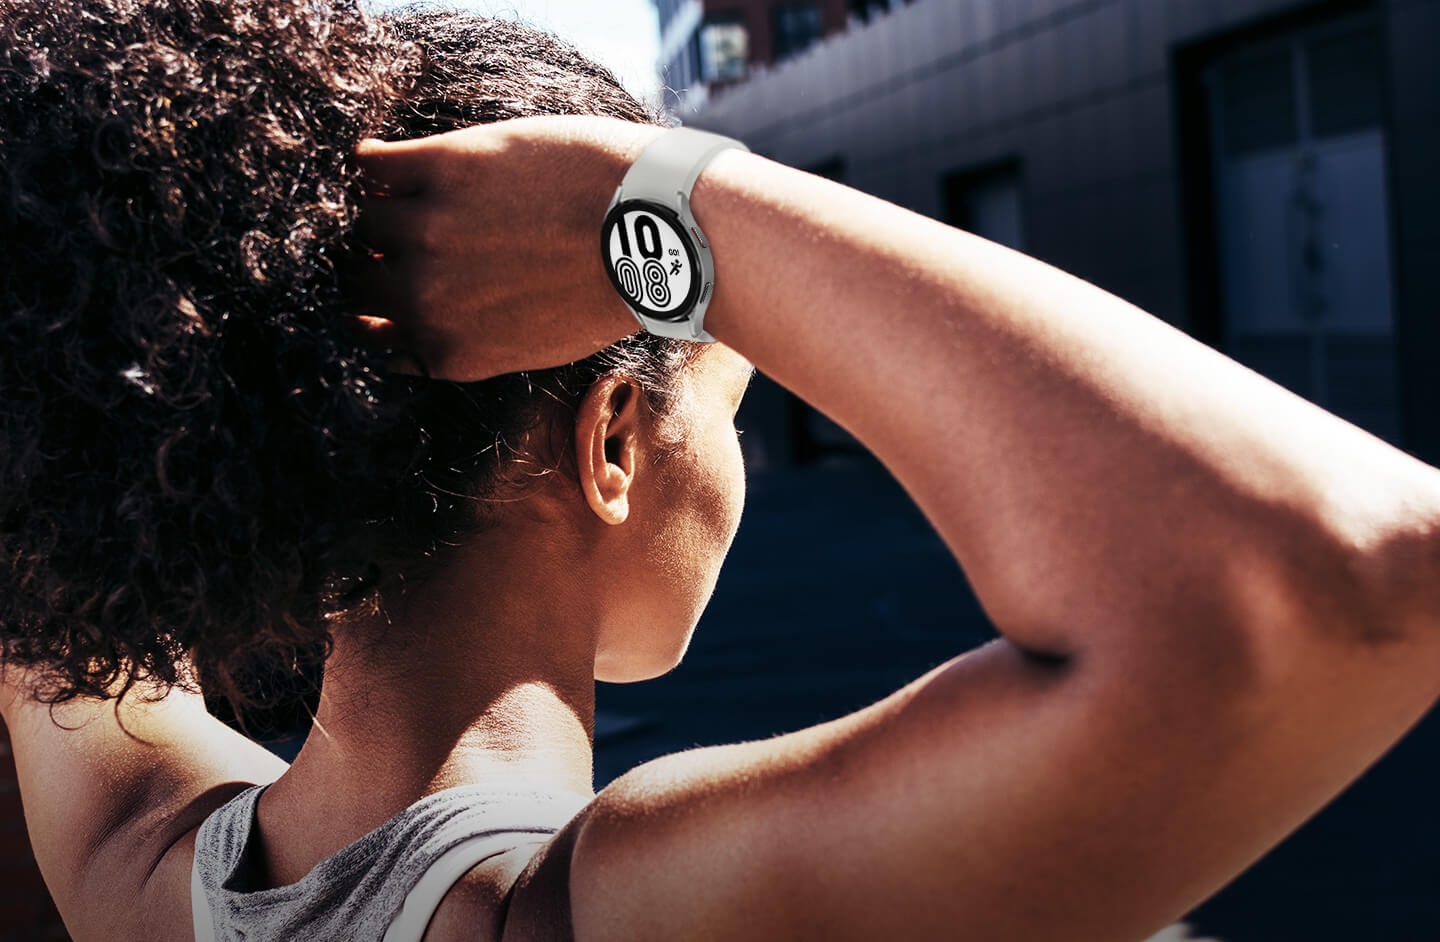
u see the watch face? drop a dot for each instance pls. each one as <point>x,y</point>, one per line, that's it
<point>651,259</point>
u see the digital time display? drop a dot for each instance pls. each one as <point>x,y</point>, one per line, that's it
<point>650,260</point>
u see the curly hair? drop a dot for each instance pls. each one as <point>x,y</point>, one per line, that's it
<point>198,463</point>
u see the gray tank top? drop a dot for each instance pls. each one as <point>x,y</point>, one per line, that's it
<point>385,886</point>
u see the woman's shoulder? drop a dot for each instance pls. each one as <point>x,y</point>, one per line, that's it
<point>682,842</point>
<point>482,905</point>
<point>509,878</point>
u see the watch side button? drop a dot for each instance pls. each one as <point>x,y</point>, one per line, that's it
<point>699,238</point>
<point>705,292</point>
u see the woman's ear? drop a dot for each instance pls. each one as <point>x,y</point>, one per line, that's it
<point>609,427</point>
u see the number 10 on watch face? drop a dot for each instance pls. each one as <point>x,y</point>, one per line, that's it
<point>649,261</point>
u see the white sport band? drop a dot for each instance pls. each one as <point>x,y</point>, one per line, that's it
<point>653,249</point>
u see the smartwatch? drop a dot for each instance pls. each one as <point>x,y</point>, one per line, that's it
<point>654,252</point>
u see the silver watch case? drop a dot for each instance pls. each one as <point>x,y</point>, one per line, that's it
<point>686,322</point>
<point>669,282</point>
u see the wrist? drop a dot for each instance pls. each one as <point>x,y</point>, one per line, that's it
<point>654,250</point>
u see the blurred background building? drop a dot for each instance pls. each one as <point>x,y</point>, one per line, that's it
<point>711,45</point>
<point>1233,166</point>
<point>1259,173</point>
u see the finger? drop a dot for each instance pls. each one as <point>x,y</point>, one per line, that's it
<point>376,333</point>
<point>375,286</point>
<point>393,168</point>
<point>390,225</point>
<point>388,338</point>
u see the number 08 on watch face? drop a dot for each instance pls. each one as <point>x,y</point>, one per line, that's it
<point>650,260</point>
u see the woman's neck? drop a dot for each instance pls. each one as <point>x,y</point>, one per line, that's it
<point>484,675</point>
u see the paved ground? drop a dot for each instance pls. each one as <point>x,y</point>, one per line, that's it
<point>837,592</point>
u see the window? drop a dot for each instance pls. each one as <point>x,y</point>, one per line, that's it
<point>988,202</point>
<point>1301,216</point>
<point>1258,108</point>
<point>862,10</point>
<point>797,28</point>
<point>1344,82</point>
<point>724,49</point>
<point>692,62</point>
<point>682,71</point>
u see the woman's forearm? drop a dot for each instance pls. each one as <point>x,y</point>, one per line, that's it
<point>1093,469</point>
<point>1101,476</point>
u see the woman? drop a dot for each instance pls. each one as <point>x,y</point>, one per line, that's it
<point>1189,567</point>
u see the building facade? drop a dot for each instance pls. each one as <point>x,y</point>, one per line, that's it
<point>710,44</point>
<point>1260,173</point>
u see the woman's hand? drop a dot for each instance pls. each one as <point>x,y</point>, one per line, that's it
<point>488,243</point>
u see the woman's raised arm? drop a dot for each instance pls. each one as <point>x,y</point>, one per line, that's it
<point>1218,601</point>
<point>111,788</point>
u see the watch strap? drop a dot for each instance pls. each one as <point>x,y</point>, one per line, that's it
<point>664,173</point>
<point>671,164</point>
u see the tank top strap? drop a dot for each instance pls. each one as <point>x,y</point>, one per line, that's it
<point>414,915</point>
<point>384,887</point>
<point>200,905</point>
